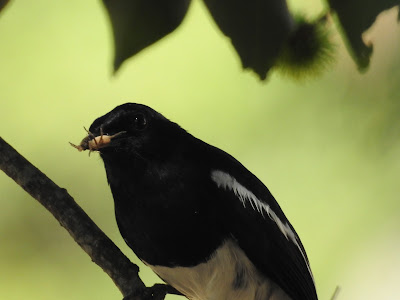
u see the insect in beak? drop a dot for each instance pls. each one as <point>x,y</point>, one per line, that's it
<point>94,143</point>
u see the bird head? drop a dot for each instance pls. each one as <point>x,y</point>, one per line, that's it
<point>129,129</point>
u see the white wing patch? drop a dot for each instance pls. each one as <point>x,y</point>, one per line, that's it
<point>228,182</point>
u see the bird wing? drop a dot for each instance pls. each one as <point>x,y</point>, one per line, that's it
<point>262,231</point>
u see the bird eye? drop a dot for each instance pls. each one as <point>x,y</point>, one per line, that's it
<point>139,121</point>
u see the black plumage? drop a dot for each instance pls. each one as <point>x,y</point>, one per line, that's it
<point>178,201</point>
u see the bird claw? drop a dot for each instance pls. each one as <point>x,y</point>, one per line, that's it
<point>156,292</point>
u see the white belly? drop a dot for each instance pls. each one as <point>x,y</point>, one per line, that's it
<point>228,275</point>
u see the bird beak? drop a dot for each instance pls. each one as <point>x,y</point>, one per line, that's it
<point>94,143</point>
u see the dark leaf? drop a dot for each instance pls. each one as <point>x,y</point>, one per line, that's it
<point>3,3</point>
<point>355,17</point>
<point>257,28</point>
<point>139,23</point>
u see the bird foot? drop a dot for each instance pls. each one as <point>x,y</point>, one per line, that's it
<point>156,292</point>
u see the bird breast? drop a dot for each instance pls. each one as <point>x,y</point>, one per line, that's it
<point>227,275</point>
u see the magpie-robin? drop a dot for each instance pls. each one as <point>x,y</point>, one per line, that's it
<point>196,216</point>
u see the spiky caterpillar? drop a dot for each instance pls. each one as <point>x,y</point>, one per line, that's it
<point>308,51</point>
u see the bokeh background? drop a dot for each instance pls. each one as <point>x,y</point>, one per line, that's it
<point>328,148</point>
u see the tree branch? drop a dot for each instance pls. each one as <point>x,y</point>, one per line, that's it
<point>83,230</point>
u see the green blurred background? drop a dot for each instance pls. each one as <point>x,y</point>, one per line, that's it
<point>327,148</point>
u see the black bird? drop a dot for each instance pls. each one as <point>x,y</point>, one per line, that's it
<point>196,216</point>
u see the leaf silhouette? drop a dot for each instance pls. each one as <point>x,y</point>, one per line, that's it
<point>3,3</point>
<point>139,23</point>
<point>355,17</point>
<point>257,29</point>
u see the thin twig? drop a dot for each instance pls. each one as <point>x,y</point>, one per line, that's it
<point>83,230</point>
